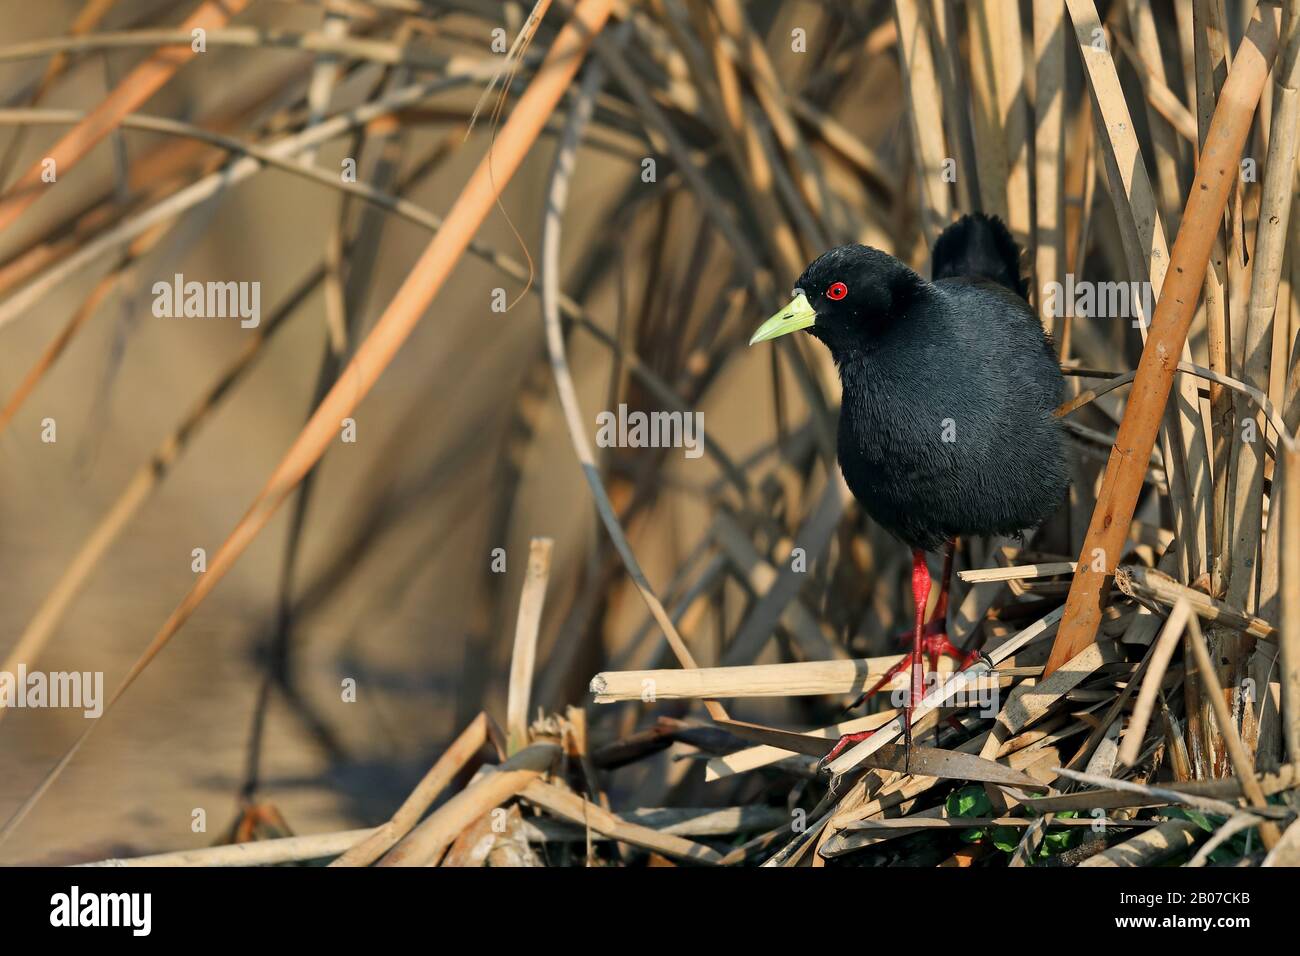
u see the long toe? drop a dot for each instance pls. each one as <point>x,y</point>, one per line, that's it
<point>937,645</point>
<point>841,745</point>
<point>879,685</point>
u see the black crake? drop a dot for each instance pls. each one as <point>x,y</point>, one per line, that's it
<point>946,425</point>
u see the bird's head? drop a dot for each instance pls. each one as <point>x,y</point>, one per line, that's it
<point>847,297</point>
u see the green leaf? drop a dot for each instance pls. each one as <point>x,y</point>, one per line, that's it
<point>1058,841</point>
<point>1006,839</point>
<point>1200,819</point>
<point>970,801</point>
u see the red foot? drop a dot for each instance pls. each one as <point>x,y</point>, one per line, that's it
<point>841,744</point>
<point>928,640</point>
<point>904,638</point>
<point>934,644</point>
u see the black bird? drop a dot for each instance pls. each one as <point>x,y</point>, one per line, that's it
<point>946,424</point>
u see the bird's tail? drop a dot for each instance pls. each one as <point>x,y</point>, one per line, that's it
<point>979,246</point>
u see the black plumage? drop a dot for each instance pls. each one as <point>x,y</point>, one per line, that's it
<point>946,424</point>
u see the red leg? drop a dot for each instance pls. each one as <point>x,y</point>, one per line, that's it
<point>928,640</point>
<point>920,595</point>
<point>940,615</point>
<point>936,631</point>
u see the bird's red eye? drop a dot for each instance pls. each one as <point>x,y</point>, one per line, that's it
<point>837,291</point>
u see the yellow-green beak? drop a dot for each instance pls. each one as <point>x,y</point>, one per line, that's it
<point>795,316</point>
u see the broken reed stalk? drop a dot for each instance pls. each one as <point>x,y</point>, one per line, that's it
<point>426,843</point>
<point>1161,654</point>
<point>531,602</point>
<point>382,839</point>
<point>1029,702</point>
<point>569,806</point>
<point>755,680</point>
<point>1215,176</point>
<point>135,88</point>
<point>1015,572</point>
<point>1117,794</point>
<point>764,755</point>
<point>426,278</point>
<point>1152,585</point>
<point>1242,761</point>
<point>708,822</point>
<point>295,849</point>
<point>1151,846</point>
<point>1190,795</point>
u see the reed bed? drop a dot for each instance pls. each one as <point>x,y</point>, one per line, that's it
<point>671,689</point>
